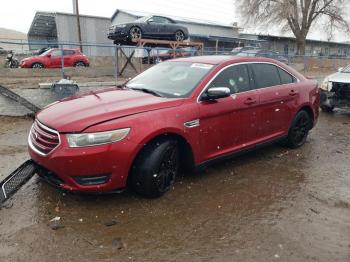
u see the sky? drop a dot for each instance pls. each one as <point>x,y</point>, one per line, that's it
<point>18,14</point>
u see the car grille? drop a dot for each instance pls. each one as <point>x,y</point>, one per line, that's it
<point>43,139</point>
<point>342,90</point>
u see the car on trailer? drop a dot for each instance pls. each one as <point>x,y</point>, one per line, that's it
<point>155,27</point>
<point>335,90</point>
<point>178,116</point>
<point>52,58</point>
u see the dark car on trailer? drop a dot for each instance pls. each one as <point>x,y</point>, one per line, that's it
<point>155,27</point>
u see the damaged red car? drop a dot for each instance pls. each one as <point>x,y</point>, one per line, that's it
<point>177,116</point>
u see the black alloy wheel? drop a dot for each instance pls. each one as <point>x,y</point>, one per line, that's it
<point>135,33</point>
<point>179,36</point>
<point>299,129</point>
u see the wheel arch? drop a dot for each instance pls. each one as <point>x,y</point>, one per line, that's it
<point>308,109</point>
<point>136,25</point>
<point>186,151</point>
<point>37,62</point>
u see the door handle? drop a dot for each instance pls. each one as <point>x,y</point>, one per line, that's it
<point>293,92</point>
<point>249,101</point>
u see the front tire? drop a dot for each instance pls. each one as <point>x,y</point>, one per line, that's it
<point>299,129</point>
<point>135,33</point>
<point>37,65</point>
<point>154,170</point>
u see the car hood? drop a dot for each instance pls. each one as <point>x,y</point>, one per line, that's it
<point>77,113</point>
<point>33,57</point>
<point>339,77</point>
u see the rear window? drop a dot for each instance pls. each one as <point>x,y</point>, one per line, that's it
<point>265,75</point>
<point>286,78</point>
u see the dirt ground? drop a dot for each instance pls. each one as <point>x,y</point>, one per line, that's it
<point>270,205</point>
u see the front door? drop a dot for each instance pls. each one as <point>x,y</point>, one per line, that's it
<point>229,124</point>
<point>55,59</point>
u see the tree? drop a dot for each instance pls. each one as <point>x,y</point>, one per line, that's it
<point>296,15</point>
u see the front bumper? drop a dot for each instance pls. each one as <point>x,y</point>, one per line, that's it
<point>67,167</point>
<point>24,64</point>
<point>118,34</point>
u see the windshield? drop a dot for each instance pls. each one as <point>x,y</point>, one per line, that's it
<point>45,53</point>
<point>346,69</point>
<point>171,79</point>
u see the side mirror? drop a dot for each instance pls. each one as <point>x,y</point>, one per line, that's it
<point>214,93</point>
<point>340,69</point>
<point>48,55</point>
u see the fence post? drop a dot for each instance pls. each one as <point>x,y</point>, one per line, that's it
<point>62,62</point>
<point>116,61</point>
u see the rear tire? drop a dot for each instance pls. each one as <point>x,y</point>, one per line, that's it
<point>299,130</point>
<point>154,170</point>
<point>37,65</point>
<point>79,64</point>
<point>179,36</point>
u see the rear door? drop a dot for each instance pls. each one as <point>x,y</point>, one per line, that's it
<point>229,124</point>
<point>69,56</point>
<point>276,97</point>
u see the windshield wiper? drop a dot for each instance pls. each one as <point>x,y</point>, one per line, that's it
<point>123,85</point>
<point>145,90</point>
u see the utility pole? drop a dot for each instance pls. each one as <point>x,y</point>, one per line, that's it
<point>76,12</point>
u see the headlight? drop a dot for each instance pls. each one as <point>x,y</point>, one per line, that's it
<point>100,138</point>
<point>121,26</point>
<point>326,85</point>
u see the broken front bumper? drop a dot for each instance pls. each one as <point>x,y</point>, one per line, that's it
<point>333,99</point>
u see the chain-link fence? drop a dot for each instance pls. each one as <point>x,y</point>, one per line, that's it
<point>108,62</point>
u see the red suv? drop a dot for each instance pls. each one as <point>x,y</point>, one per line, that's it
<point>176,116</point>
<point>52,59</point>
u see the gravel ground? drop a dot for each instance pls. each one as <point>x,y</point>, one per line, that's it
<point>270,205</point>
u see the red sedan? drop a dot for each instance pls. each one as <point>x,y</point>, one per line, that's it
<point>52,59</point>
<point>182,114</point>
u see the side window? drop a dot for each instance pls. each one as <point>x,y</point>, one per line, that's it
<point>235,77</point>
<point>56,53</point>
<point>265,75</point>
<point>68,52</point>
<point>286,78</point>
<point>160,20</point>
<point>168,21</point>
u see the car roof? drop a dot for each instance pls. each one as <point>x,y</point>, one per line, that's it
<point>219,59</point>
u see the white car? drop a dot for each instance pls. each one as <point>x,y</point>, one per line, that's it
<point>335,90</point>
